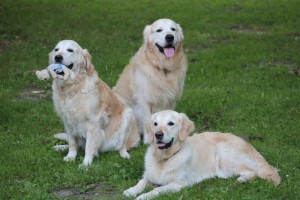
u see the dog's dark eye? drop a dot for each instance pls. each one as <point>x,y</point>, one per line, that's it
<point>70,50</point>
<point>159,30</point>
<point>155,123</point>
<point>56,49</point>
<point>173,29</point>
<point>171,123</point>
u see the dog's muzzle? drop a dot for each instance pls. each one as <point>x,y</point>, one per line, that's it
<point>169,49</point>
<point>159,141</point>
<point>58,59</point>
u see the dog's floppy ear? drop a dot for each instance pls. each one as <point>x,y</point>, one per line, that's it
<point>146,33</point>
<point>148,131</point>
<point>88,61</point>
<point>180,32</point>
<point>51,54</point>
<point>187,126</point>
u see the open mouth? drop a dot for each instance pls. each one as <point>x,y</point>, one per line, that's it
<point>168,50</point>
<point>162,145</point>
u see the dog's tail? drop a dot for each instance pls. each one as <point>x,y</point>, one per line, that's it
<point>62,136</point>
<point>266,171</point>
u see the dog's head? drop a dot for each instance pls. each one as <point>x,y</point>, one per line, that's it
<point>167,130</point>
<point>70,54</point>
<point>165,36</point>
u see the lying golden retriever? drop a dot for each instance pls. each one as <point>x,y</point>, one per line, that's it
<point>175,160</point>
<point>93,116</point>
<point>154,78</point>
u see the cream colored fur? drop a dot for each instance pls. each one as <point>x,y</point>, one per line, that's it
<point>94,117</point>
<point>152,81</point>
<point>192,159</point>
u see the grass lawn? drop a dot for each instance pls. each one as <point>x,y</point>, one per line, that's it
<point>243,77</point>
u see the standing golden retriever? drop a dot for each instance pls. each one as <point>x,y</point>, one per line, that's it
<point>154,78</point>
<point>175,160</point>
<point>93,116</point>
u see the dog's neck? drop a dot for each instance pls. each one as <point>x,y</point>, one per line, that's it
<point>163,156</point>
<point>69,85</point>
<point>165,71</point>
<point>159,61</point>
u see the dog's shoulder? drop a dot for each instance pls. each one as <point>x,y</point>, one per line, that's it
<point>109,99</point>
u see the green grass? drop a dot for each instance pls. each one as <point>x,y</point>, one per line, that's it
<point>241,56</point>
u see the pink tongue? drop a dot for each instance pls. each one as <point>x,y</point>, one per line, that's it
<point>169,52</point>
<point>160,144</point>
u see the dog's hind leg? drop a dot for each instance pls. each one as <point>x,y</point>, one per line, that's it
<point>246,176</point>
<point>124,154</point>
<point>126,131</point>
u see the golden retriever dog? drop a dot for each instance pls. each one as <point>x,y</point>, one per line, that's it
<point>93,116</point>
<point>175,160</point>
<point>154,78</point>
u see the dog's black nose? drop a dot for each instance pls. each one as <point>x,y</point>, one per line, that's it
<point>58,58</point>
<point>159,135</point>
<point>169,38</point>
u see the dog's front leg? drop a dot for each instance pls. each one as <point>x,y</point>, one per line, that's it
<point>171,187</point>
<point>94,139</point>
<point>72,149</point>
<point>133,191</point>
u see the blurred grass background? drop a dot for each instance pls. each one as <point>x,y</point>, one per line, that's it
<point>243,77</point>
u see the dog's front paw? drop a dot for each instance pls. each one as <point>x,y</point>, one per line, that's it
<point>84,166</point>
<point>43,75</point>
<point>143,197</point>
<point>147,196</point>
<point>86,162</point>
<point>69,158</point>
<point>130,192</point>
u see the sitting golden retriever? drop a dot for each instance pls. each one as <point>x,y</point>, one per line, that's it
<point>175,160</point>
<point>154,78</point>
<point>93,116</point>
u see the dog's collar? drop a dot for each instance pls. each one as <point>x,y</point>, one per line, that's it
<point>165,159</point>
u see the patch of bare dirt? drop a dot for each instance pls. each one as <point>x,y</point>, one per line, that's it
<point>4,44</point>
<point>276,63</point>
<point>34,94</point>
<point>247,29</point>
<point>295,36</point>
<point>94,191</point>
<point>293,67</point>
<point>235,8</point>
<point>296,71</point>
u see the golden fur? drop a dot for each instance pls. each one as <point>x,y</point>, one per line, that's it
<point>93,116</point>
<point>153,80</point>
<point>175,160</point>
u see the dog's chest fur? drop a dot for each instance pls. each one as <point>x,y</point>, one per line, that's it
<point>163,89</point>
<point>76,106</point>
<point>162,172</point>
